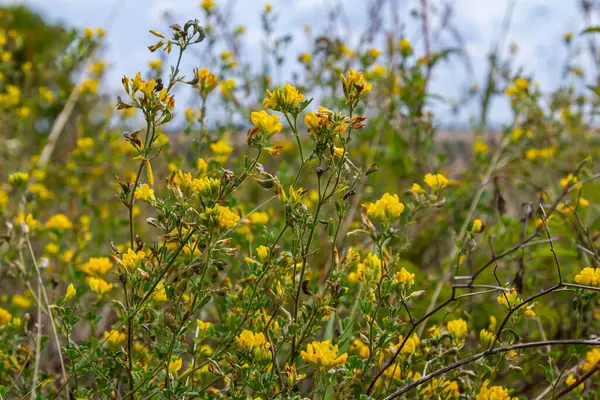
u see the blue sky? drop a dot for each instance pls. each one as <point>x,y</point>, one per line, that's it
<point>537,26</point>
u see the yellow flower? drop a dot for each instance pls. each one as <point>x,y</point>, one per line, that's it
<point>450,388</point>
<point>175,365</point>
<point>355,85</point>
<point>227,218</point>
<point>207,82</point>
<point>227,86</point>
<point>155,64</point>
<point>591,359</point>
<point>284,100</point>
<point>71,291</point>
<point>477,225</point>
<point>359,348</point>
<point>457,327</point>
<point>31,222</point>
<point>486,337</point>
<point>405,47</point>
<point>268,124</point>
<point>529,313</point>
<point>417,188</point>
<point>410,346</point>
<point>249,340</point>
<point>493,393</point>
<point>208,5</point>
<point>263,252</point>
<point>509,299</point>
<point>160,294</point>
<point>21,301</point>
<point>18,178</point>
<point>436,182</point>
<point>23,112</point>
<point>5,317</point>
<point>259,218</point>
<point>58,222</point>
<point>88,32</point>
<point>99,286</point>
<point>206,186</point>
<point>202,166</point>
<point>405,277</point>
<point>89,86</point>
<point>480,147</point>
<point>3,199</point>
<point>323,355</point>
<point>145,193</point>
<point>386,208</point>
<point>222,149</point>
<point>203,327</point>
<point>588,276</point>
<point>114,337</point>
<point>305,58</point>
<point>97,266</point>
<point>131,259</point>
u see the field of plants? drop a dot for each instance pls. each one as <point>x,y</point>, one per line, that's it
<point>236,231</point>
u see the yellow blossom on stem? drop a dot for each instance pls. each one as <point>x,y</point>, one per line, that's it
<point>114,337</point>
<point>493,393</point>
<point>5,317</point>
<point>268,124</point>
<point>222,150</point>
<point>145,193</point>
<point>436,182</point>
<point>175,365</point>
<point>405,47</point>
<point>355,85</point>
<point>588,276</point>
<point>203,327</point>
<point>131,259</point>
<point>509,299</point>
<point>227,218</point>
<point>405,277</point>
<point>477,225</point>
<point>457,327</point>
<point>284,100</point>
<point>592,358</point>
<point>71,291</point>
<point>387,208</point>
<point>160,293</point>
<point>58,222</point>
<point>97,266</point>
<point>323,355</point>
<point>99,286</point>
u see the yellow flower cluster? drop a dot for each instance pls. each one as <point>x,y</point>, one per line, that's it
<point>206,82</point>
<point>509,299</point>
<point>249,340</point>
<point>227,218</point>
<point>284,100</point>
<point>493,393</point>
<point>410,346</point>
<point>588,276</point>
<point>131,259</point>
<point>203,327</point>
<point>175,365</point>
<point>371,265</point>
<point>58,222</point>
<point>355,85</point>
<point>222,150</point>
<point>405,277</point>
<point>114,337</point>
<point>457,327</point>
<point>71,291</point>
<point>268,124</point>
<point>145,193</point>
<point>436,181</point>
<point>18,178</point>
<point>97,266</point>
<point>5,317</point>
<point>592,358</point>
<point>99,286</point>
<point>519,86</point>
<point>387,208</point>
<point>323,355</point>
<point>545,152</point>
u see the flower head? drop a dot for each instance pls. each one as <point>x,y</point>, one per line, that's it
<point>493,393</point>
<point>99,286</point>
<point>97,266</point>
<point>268,124</point>
<point>145,193</point>
<point>436,182</point>
<point>387,208</point>
<point>58,222</point>
<point>457,327</point>
<point>323,355</point>
<point>5,317</point>
<point>355,85</point>
<point>405,277</point>
<point>114,337</point>
<point>71,291</point>
<point>284,100</point>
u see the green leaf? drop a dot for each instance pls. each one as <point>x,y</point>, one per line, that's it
<point>591,29</point>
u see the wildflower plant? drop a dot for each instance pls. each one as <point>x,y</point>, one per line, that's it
<point>333,251</point>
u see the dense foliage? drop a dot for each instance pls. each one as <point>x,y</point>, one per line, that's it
<point>305,240</point>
